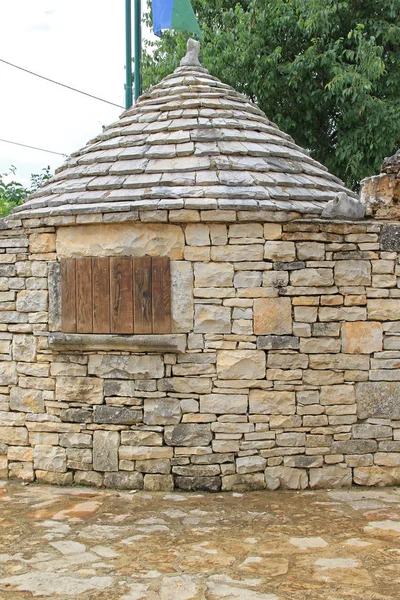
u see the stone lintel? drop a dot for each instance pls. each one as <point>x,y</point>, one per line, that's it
<point>132,343</point>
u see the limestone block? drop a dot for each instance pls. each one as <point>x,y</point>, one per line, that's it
<point>53,478</point>
<point>320,345</point>
<point>369,431</point>
<point>24,348</point>
<point>276,279</point>
<point>213,275</point>
<point>353,272</point>
<point>248,279</point>
<point>330,477</point>
<point>26,400</point>
<point>79,458</point>
<point>286,478</point>
<point>219,234</point>
<point>126,367</point>
<point>272,231</point>
<point>354,447</point>
<point>79,389</point>
<point>186,385</point>
<point>105,450</point>
<point>197,234</point>
<point>50,458</point>
<point>188,434</point>
<point>121,239</point>
<point>145,453</point>
<point>291,439</point>
<point>246,230</point>
<point>237,253</point>
<point>281,360</point>
<point>198,484</point>
<point>377,476</point>
<point>337,394</point>
<point>383,309</point>
<point>197,470</point>
<point>42,243</point>
<point>161,411</point>
<point>21,470</point>
<point>221,404</point>
<point>210,318</point>
<point>362,337</point>
<point>32,301</point>
<point>312,277</point>
<point>8,373</point>
<point>76,440</point>
<point>245,483</point>
<point>272,403</point>
<point>390,239</point>
<point>387,459</point>
<point>155,465</point>
<point>304,462</point>
<point>279,251</point>
<point>241,364</point>
<point>88,478</point>
<point>116,415</point>
<point>141,438</point>
<point>278,342</point>
<point>181,297</point>
<point>378,399</point>
<point>20,454</point>
<point>305,314</point>
<point>273,316</point>
<point>124,481</point>
<point>76,415</point>
<point>158,483</point>
<point>14,436</point>
<point>250,464</point>
<point>310,251</point>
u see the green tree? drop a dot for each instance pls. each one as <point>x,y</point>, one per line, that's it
<point>326,71</point>
<point>14,193</point>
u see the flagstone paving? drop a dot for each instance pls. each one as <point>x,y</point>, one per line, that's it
<point>89,544</point>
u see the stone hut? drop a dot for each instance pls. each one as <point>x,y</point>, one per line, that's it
<point>193,302</point>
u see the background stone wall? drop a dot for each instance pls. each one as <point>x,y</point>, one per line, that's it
<point>290,378</point>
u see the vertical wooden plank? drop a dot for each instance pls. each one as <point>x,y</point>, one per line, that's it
<point>101,294</point>
<point>142,306</point>
<point>121,295</point>
<point>161,294</point>
<point>68,295</point>
<point>84,296</point>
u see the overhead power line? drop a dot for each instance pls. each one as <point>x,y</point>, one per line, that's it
<point>58,83</point>
<point>32,147</point>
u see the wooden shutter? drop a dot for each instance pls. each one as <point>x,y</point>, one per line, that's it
<point>116,295</point>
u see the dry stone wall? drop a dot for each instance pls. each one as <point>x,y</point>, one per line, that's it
<point>290,377</point>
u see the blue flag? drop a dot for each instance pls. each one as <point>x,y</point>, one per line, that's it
<point>174,14</point>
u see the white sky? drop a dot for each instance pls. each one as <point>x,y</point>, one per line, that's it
<point>78,42</point>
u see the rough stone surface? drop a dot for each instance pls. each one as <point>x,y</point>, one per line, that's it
<point>188,434</point>
<point>362,337</point>
<point>105,450</point>
<point>378,399</point>
<point>126,367</point>
<point>163,411</point>
<point>273,316</point>
<point>242,364</point>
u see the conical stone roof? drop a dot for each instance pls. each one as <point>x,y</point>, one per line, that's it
<point>190,142</point>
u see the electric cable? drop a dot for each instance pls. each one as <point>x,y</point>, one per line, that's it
<point>33,147</point>
<point>61,84</point>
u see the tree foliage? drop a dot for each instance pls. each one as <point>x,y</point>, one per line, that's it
<point>13,193</point>
<point>326,71</point>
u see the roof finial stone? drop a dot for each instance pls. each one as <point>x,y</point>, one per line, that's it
<point>191,58</point>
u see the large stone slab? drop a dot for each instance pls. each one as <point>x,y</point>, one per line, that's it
<point>188,434</point>
<point>213,275</point>
<point>384,309</point>
<point>272,403</point>
<point>8,373</point>
<point>26,400</point>
<point>353,272</point>
<point>79,389</point>
<point>222,404</point>
<point>273,316</point>
<point>181,296</point>
<point>162,411</point>
<point>105,450</point>
<point>121,239</point>
<point>116,415</point>
<point>126,367</point>
<point>330,477</point>
<point>24,348</point>
<point>50,458</point>
<point>378,399</point>
<point>241,364</point>
<point>32,301</point>
<point>362,337</point>
<point>210,318</point>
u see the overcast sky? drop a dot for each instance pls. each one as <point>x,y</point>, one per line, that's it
<point>78,42</point>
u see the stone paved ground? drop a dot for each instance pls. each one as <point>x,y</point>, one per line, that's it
<point>89,544</point>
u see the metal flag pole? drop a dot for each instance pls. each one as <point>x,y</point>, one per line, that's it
<point>128,48</point>
<point>138,48</point>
